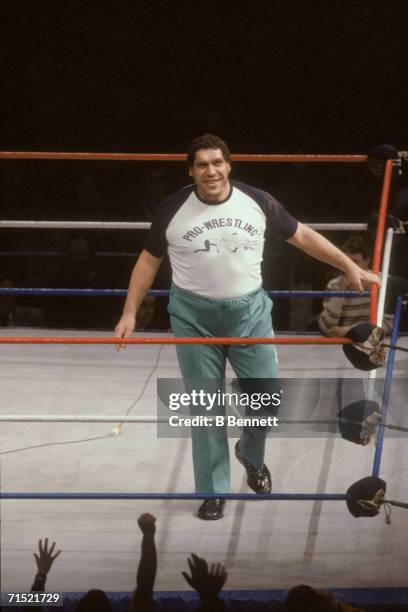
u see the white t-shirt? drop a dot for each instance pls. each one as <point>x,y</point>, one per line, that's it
<point>216,249</point>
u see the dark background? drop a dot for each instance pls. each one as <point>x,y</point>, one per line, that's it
<point>276,77</point>
<point>270,76</point>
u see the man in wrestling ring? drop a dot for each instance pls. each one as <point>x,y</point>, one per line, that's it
<point>214,232</point>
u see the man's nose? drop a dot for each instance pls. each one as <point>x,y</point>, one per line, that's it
<point>210,169</point>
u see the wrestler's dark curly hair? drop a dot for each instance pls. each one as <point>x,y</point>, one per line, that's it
<point>207,141</point>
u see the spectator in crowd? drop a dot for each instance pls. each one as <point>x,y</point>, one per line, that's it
<point>142,598</point>
<point>305,599</point>
<point>13,315</point>
<point>78,267</point>
<point>397,286</point>
<point>94,600</point>
<point>207,581</point>
<point>153,190</point>
<point>145,313</point>
<point>339,314</point>
<point>300,308</point>
<point>77,271</point>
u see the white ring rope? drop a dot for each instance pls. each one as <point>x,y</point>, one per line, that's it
<point>141,225</point>
<point>340,227</point>
<point>120,420</point>
<point>122,225</point>
<point>93,418</point>
<point>75,418</point>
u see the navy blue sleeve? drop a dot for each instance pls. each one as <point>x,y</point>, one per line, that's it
<point>156,242</point>
<point>279,223</point>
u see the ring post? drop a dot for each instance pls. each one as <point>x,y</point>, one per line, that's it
<point>387,388</point>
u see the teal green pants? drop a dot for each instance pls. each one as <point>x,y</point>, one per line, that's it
<point>250,315</point>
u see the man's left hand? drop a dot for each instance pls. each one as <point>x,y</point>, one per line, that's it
<point>362,279</point>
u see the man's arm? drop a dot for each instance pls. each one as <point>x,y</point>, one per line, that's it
<point>141,280</point>
<point>142,599</point>
<point>319,247</point>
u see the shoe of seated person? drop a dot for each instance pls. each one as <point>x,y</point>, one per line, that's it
<point>259,481</point>
<point>211,509</point>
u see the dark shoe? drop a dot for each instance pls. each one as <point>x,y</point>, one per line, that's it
<point>258,480</point>
<point>211,509</point>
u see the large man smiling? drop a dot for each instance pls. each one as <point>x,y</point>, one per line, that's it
<point>214,233</point>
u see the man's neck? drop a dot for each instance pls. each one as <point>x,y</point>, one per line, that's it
<point>218,199</point>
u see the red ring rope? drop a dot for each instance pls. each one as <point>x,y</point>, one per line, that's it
<point>165,340</point>
<point>177,157</point>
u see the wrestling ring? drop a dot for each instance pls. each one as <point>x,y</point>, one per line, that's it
<point>71,474</point>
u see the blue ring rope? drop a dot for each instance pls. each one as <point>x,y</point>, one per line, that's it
<point>180,496</point>
<point>63,254</point>
<point>387,388</point>
<point>164,292</point>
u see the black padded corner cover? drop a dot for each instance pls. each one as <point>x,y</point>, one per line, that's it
<point>352,416</point>
<point>370,353</point>
<point>364,489</point>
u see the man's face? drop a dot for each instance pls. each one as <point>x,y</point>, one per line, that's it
<point>210,173</point>
<point>360,260</point>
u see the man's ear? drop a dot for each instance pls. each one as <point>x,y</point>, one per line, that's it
<point>190,171</point>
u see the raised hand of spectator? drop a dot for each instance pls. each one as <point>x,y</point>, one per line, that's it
<point>45,558</point>
<point>207,581</point>
<point>142,598</point>
<point>147,523</point>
